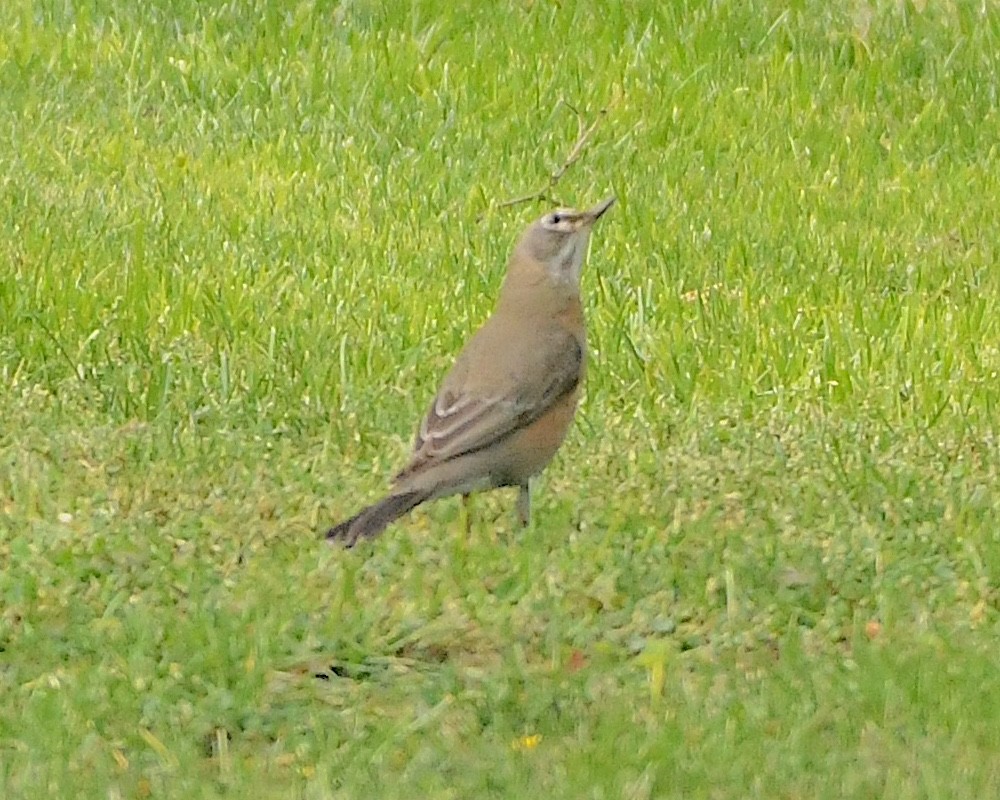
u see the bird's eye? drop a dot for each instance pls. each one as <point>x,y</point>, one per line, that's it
<point>556,219</point>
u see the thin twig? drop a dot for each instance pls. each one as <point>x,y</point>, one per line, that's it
<point>571,159</point>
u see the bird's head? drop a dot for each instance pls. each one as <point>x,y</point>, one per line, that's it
<point>558,241</point>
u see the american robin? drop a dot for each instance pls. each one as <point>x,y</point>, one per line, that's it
<point>505,406</point>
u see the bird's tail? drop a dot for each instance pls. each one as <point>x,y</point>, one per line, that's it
<point>371,521</point>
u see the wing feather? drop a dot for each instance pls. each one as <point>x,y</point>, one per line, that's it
<point>461,421</point>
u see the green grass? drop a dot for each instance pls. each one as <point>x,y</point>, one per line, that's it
<point>240,243</point>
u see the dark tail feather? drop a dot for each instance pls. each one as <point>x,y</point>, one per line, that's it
<point>371,521</point>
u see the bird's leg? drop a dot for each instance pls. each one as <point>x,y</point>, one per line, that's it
<point>524,504</point>
<point>468,516</point>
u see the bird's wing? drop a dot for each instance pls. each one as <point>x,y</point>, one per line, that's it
<point>463,420</point>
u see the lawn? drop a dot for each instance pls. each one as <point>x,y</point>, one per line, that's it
<point>240,242</point>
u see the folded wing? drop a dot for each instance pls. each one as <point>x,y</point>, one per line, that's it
<point>463,421</point>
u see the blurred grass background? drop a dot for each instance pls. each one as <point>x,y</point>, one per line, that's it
<point>240,243</point>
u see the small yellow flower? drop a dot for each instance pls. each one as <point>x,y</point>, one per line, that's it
<point>527,742</point>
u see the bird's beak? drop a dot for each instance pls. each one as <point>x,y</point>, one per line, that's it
<point>595,213</point>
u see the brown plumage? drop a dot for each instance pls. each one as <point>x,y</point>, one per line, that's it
<point>505,406</point>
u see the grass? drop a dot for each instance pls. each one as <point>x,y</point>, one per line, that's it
<point>239,244</point>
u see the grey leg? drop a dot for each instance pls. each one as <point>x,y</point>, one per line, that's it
<point>524,504</point>
<point>468,516</point>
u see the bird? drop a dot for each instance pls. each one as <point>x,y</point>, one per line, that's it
<point>506,405</point>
